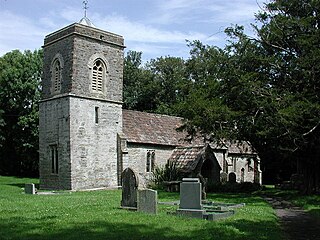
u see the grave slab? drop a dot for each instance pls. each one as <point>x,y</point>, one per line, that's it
<point>147,201</point>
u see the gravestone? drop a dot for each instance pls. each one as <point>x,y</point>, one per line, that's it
<point>232,177</point>
<point>190,193</point>
<point>29,188</point>
<point>147,201</point>
<point>129,189</point>
<point>190,198</point>
<point>223,177</point>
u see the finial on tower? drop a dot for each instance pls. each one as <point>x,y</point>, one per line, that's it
<point>86,21</point>
<point>85,7</point>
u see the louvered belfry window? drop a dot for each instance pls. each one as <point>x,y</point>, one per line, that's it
<point>97,76</point>
<point>56,76</point>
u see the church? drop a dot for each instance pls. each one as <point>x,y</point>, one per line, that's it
<point>86,139</point>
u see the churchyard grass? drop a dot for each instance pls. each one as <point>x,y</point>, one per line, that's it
<point>96,215</point>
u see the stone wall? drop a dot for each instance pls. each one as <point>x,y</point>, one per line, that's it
<point>94,145</point>
<point>237,163</point>
<point>54,131</point>
<point>77,44</point>
<point>87,147</point>
<point>136,158</point>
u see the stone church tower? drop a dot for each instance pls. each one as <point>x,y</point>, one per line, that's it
<point>81,108</point>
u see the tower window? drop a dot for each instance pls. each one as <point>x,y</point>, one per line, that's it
<point>96,114</point>
<point>150,160</point>
<point>54,159</point>
<point>98,73</point>
<point>56,76</point>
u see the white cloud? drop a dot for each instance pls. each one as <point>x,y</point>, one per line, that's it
<point>19,33</point>
<point>136,31</point>
<point>232,11</point>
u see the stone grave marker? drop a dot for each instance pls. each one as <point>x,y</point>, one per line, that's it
<point>190,193</point>
<point>147,201</point>
<point>129,189</point>
<point>223,177</point>
<point>232,177</point>
<point>190,198</point>
<point>29,188</point>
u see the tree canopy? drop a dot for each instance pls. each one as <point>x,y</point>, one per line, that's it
<point>266,89</point>
<point>20,75</point>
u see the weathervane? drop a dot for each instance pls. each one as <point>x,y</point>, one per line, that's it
<point>85,7</point>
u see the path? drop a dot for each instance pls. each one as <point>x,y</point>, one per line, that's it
<point>296,223</point>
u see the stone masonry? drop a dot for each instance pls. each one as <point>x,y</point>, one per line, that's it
<point>86,149</point>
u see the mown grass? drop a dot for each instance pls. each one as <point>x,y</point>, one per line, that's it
<point>96,215</point>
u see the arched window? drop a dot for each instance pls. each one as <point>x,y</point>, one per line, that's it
<point>98,75</point>
<point>56,69</point>
<point>150,160</point>
<point>56,76</point>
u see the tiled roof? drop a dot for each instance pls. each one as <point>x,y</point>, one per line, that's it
<point>151,128</point>
<point>142,127</point>
<point>187,158</point>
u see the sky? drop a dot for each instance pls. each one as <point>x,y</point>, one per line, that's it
<point>154,27</point>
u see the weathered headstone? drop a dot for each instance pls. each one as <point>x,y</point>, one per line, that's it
<point>147,201</point>
<point>29,188</point>
<point>232,177</point>
<point>223,177</point>
<point>190,193</point>
<point>129,189</point>
<point>190,198</point>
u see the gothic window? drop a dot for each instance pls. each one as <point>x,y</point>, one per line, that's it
<point>150,160</point>
<point>98,75</point>
<point>54,159</point>
<point>56,76</point>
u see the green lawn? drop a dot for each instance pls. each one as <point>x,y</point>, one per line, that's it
<point>96,215</point>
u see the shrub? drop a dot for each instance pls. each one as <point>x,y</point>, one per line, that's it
<point>166,173</point>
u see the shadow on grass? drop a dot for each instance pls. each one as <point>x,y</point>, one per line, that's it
<point>315,213</point>
<point>19,228</point>
<point>21,185</point>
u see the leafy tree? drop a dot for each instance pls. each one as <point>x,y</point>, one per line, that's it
<point>267,87</point>
<point>20,75</point>
<point>169,79</point>
<point>155,86</point>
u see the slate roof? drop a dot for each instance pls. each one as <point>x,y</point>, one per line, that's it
<point>142,127</point>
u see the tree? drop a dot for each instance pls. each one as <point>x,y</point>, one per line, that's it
<point>269,86</point>
<point>155,86</point>
<point>170,82</point>
<point>20,75</point>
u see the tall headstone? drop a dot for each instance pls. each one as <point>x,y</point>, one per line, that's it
<point>190,198</point>
<point>232,177</point>
<point>29,188</point>
<point>129,189</point>
<point>147,201</point>
<point>190,193</point>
